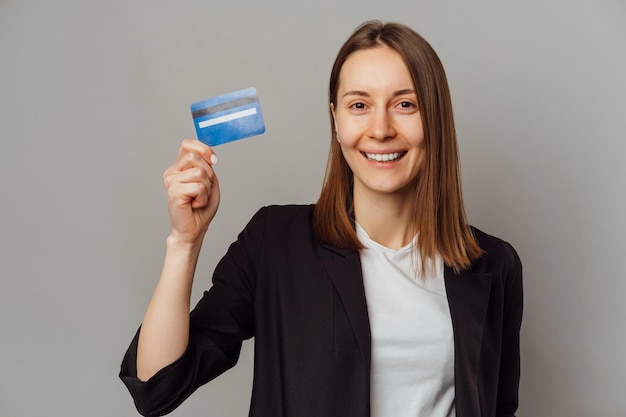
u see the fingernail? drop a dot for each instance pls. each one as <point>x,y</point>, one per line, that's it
<point>213,159</point>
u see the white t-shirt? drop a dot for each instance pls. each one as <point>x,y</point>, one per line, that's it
<point>412,371</point>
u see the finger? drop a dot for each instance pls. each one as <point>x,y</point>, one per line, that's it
<point>195,193</point>
<point>190,161</point>
<point>201,199</point>
<point>202,149</point>
<point>193,174</point>
<point>189,184</point>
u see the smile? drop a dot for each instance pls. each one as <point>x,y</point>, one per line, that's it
<point>384,157</point>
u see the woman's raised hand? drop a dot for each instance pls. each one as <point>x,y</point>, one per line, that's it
<point>193,192</point>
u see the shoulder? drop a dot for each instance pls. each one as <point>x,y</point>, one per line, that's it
<point>276,215</point>
<point>289,211</point>
<point>493,244</point>
<point>499,254</point>
<point>503,263</point>
<point>283,222</point>
<point>272,233</point>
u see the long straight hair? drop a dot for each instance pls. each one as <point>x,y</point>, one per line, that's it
<point>438,213</point>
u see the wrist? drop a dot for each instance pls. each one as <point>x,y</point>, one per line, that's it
<point>179,244</point>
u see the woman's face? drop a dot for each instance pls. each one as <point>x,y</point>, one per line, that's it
<point>378,123</point>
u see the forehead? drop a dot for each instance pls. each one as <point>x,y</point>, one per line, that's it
<point>378,68</point>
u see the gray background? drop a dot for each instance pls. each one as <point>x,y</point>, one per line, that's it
<point>94,100</point>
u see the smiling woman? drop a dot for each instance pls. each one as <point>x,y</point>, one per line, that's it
<point>380,300</point>
<point>389,89</point>
<point>379,128</point>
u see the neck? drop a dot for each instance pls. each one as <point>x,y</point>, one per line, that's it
<point>385,217</point>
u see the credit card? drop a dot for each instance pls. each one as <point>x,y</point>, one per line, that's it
<point>228,117</point>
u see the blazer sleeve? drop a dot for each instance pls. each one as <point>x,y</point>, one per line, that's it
<point>508,381</point>
<point>219,323</point>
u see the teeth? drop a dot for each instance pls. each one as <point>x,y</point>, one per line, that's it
<point>383,157</point>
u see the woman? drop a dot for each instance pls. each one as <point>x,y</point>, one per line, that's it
<point>379,300</point>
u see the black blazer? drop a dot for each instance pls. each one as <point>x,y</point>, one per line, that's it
<point>305,305</point>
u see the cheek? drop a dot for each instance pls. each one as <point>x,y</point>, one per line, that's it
<point>345,136</point>
<point>345,150</point>
<point>420,165</point>
<point>420,143</point>
<point>348,132</point>
<point>415,135</point>
<point>348,155</point>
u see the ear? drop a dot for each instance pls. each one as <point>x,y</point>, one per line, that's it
<point>332,111</point>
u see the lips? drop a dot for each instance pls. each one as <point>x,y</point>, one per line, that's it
<point>384,157</point>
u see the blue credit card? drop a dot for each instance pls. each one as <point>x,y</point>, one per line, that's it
<point>228,117</point>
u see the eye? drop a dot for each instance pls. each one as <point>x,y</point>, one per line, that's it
<point>358,106</point>
<point>406,105</point>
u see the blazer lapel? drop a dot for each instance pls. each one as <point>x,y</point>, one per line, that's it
<point>344,268</point>
<point>468,298</point>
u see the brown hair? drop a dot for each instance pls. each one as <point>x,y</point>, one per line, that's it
<point>439,216</point>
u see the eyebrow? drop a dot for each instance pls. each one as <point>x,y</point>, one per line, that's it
<point>366,94</point>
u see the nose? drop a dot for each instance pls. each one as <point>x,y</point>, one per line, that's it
<point>381,126</point>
